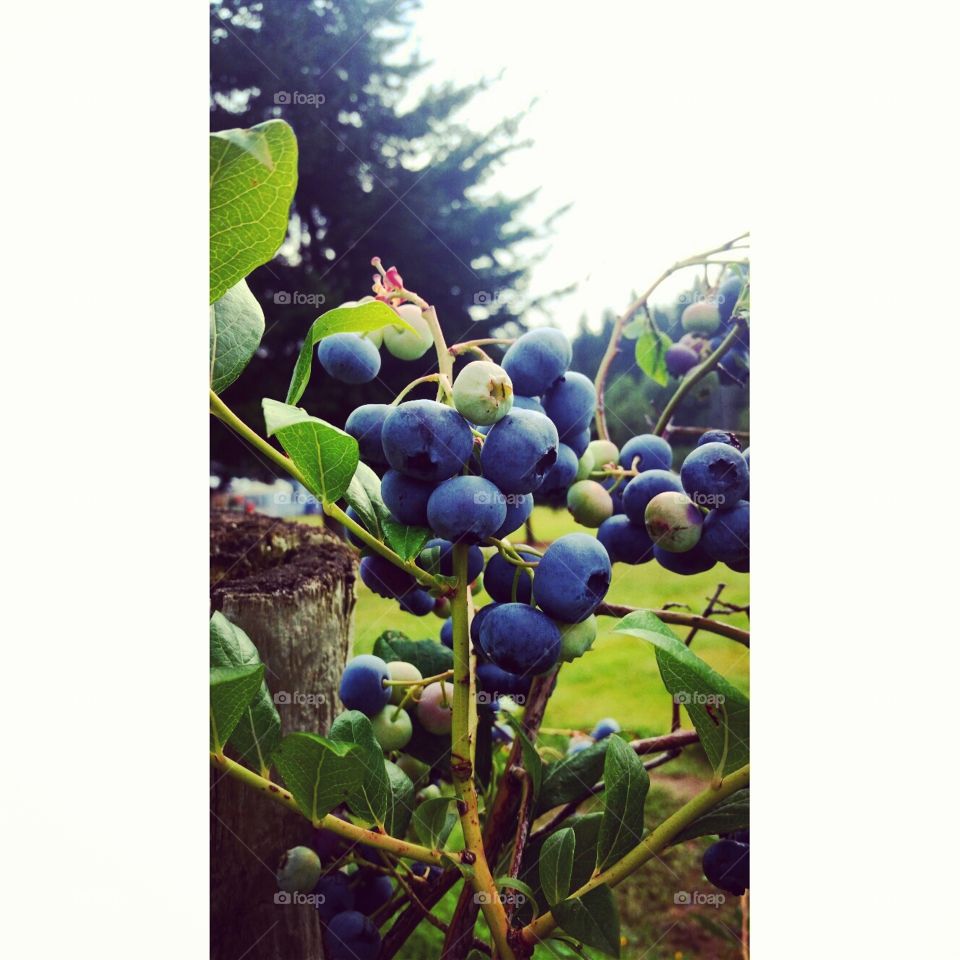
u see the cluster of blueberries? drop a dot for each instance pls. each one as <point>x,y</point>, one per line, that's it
<point>726,863</point>
<point>706,322</point>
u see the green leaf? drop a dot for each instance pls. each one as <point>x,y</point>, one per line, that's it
<point>258,732</point>
<point>325,455</point>
<point>570,778</point>
<point>428,656</point>
<point>650,352</point>
<point>433,820</point>
<point>625,782</point>
<point>320,773</point>
<point>718,710</point>
<point>231,690</point>
<point>348,318</point>
<point>402,539</point>
<point>556,865</point>
<point>370,798</point>
<point>253,174</point>
<point>526,892</point>
<point>363,494</point>
<point>732,813</point>
<point>531,759</point>
<point>402,801</point>
<point>236,326</point>
<point>592,919</point>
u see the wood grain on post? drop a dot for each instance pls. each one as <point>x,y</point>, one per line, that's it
<point>290,586</point>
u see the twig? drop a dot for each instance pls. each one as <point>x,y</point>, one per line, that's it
<point>682,619</point>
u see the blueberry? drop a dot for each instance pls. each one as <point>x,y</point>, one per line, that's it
<point>578,442</point>
<point>482,392</point>
<point>499,575</point>
<point>727,297</point>
<point>446,633</point>
<point>589,503</point>
<point>719,436</point>
<point>435,709</point>
<point>349,358</point>
<point>466,508</point>
<point>333,895</point>
<point>572,577</point>
<point>726,864</point>
<point>715,475</point>
<point>497,682</point>
<point>299,870</point>
<point>384,579</point>
<point>408,344</point>
<point>437,557</point>
<point>475,624</point>
<point>571,403</point>
<point>734,367</point>
<point>605,728</point>
<point>519,451</point>
<point>528,403</point>
<point>426,440</point>
<point>406,497</point>
<point>365,425</point>
<point>351,936</point>
<point>519,508</point>
<point>373,891</point>
<point>739,566</point>
<point>643,488</point>
<point>561,474</point>
<point>361,686</point>
<point>701,317</point>
<point>625,541</point>
<point>417,601</point>
<point>401,670</point>
<point>520,639</point>
<point>537,359</point>
<point>576,638</point>
<point>680,358</point>
<point>686,564</point>
<point>673,521</point>
<point>654,453</point>
<point>726,534</point>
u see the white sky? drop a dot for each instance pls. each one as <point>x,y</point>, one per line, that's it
<point>640,121</point>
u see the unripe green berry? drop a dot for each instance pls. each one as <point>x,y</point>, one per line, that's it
<point>299,870</point>
<point>392,727</point>
<point>589,503</point>
<point>401,670</point>
<point>585,466</point>
<point>576,638</point>
<point>483,393</point>
<point>701,317</point>
<point>603,451</point>
<point>408,344</point>
<point>673,521</point>
<point>435,709</point>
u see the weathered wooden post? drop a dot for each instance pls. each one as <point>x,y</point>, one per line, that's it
<point>290,586</point>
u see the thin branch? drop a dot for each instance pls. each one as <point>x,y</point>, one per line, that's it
<point>682,619</point>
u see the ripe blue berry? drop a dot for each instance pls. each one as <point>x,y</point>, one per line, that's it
<point>651,452</point>
<point>351,936</point>
<point>726,864</point>
<point>497,682</point>
<point>571,403</point>
<point>680,358</point>
<point>365,425</point>
<point>373,891</point>
<point>406,497</point>
<point>642,489</point>
<point>349,358</point>
<point>499,575</point>
<point>426,440</point>
<point>604,728</point>
<point>719,436</point>
<point>561,474</point>
<point>528,403</point>
<point>299,870</point>
<point>572,577</point>
<point>436,556</point>
<point>466,508</point>
<point>520,639</point>
<point>519,508</point>
<point>625,541</point>
<point>361,686</point>
<point>333,895</point>
<point>726,534</point>
<point>446,633</point>
<point>417,601</point>
<point>715,475</point>
<point>537,359</point>
<point>519,451</point>
<point>384,579</point>
<point>727,297</point>
<point>686,564</point>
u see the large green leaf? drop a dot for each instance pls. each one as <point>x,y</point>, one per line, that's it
<point>650,352</point>
<point>556,865</point>
<point>363,494</point>
<point>570,778</point>
<point>433,820</point>
<point>402,801</point>
<point>370,798</point>
<point>325,455</point>
<point>718,710</point>
<point>253,174</point>
<point>320,773</point>
<point>258,732</point>
<point>231,690</point>
<point>402,539</point>
<point>348,318</point>
<point>625,782</point>
<point>592,919</point>
<point>236,326</point>
<point>732,813</point>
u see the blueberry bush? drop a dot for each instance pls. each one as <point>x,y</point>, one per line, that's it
<point>432,775</point>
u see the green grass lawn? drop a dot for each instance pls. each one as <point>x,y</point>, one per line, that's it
<point>619,676</point>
